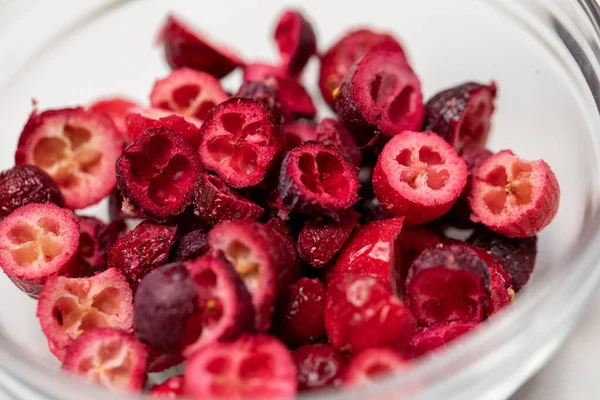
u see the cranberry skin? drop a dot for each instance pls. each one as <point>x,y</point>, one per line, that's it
<point>300,318</point>
<point>296,41</point>
<point>26,184</point>
<point>259,90</point>
<point>190,246</point>
<point>172,388</point>
<point>319,366</point>
<point>95,238</point>
<point>333,133</point>
<point>437,336</point>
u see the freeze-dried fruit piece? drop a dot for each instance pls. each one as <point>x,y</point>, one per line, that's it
<point>369,251</point>
<point>514,197</point>
<point>501,292</point>
<point>333,133</point>
<point>296,41</point>
<point>190,246</point>
<point>141,250</point>
<point>116,108</point>
<point>319,366</point>
<point>338,59</point>
<point>216,202</point>
<point>294,99</point>
<point>110,358</point>
<point>437,335</point>
<point>158,362</point>
<point>462,114</point>
<point>68,307</point>
<point>448,282</point>
<point>262,72</point>
<point>77,148</point>
<point>317,180</point>
<point>259,90</point>
<point>418,175</point>
<point>38,242</point>
<point>296,133</point>
<point>260,257</point>
<point>299,317</point>
<point>254,366</point>
<point>372,364</point>
<point>517,255</point>
<point>381,91</point>
<point>186,47</point>
<point>172,388</point>
<point>321,239</point>
<point>411,242</point>
<point>158,172</point>
<point>361,313</point>
<point>241,141</point>
<point>26,184</point>
<point>139,120</point>
<point>283,230</point>
<point>95,238</point>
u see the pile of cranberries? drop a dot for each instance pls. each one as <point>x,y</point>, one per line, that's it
<point>277,253</point>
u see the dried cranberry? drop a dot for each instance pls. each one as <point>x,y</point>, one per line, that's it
<point>296,41</point>
<point>333,133</point>
<point>296,133</point>
<point>259,90</point>
<point>192,245</point>
<point>95,238</point>
<point>139,120</point>
<point>116,108</point>
<point>172,388</point>
<point>438,335</point>
<point>319,366</point>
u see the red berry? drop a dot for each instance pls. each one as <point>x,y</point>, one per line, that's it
<point>332,133</point>
<point>116,108</point>
<point>438,335</point>
<point>77,148</point>
<point>172,388</point>
<point>259,90</point>
<point>95,238</point>
<point>448,282</point>
<point>321,239</point>
<point>188,92</point>
<point>411,243</point>
<point>338,59</point>
<point>26,184</point>
<point>68,307</point>
<point>501,292</point>
<point>158,173</point>
<point>296,133</point>
<point>296,41</point>
<point>281,228</point>
<point>371,365</point>
<point>317,180</point>
<point>419,176</point>
<point>108,357</point>
<point>299,317</point>
<point>319,366</point>
<point>514,197</point>
<point>158,362</point>
<point>361,313</point>
<point>241,141</point>
<point>461,115</point>
<point>139,120</point>
<point>262,72</point>
<point>254,366</point>
<point>294,99</point>
<point>381,91</point>
<point>186,47</point>
<point>39,242</point>
<point>216,202</point>
<point>191,245</point>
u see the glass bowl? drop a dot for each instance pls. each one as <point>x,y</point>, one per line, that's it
<point>542,53</point>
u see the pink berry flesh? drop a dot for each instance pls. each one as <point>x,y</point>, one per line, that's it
<point>296,133</point>
<point>185,47</point>
<point>191,245</point>
<point>39,242</point>
<point>158,173</point>
<point>241,141</point>
<point>418,175</point>
<point>437,336</point>
<point>172,388</point>
<point>332,133</point>
<point>319,366</point>
<point>95,238</point>
<point>296,41</point>
<point>514,197</point>
<point>77,148</point>
<point>139,120</point>
<point>254,366</point>
<point>116,108</point>
<point>110,358</point>
<point>411,243</point>
<point>361,313</point>
<point>68,307</point>
<point>448,282</point>
<point>371,365</point>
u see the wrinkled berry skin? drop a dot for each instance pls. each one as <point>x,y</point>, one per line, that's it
<point>259,90</point>
<point>319,366</point>
<point>190,246</point>
<point>27,184</point>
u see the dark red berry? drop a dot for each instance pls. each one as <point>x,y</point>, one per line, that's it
<point>95,238</point>
<point>371,365</point>
<point>319,366</point>
<point>139,120</point>
<point>296,41</point>
<point>172,388</point>
<point>296,133</point>
<point>333,133</point>
<point>294,99</point>
<point>262,72</point>
<point>437,336</point>
<point>283,230</point>
<point>192,245</point>
<point>116,108</point>
<point>259,90</point>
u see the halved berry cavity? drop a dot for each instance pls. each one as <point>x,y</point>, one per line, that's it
<point>333,133</point>
<point>95,238</point>
<point>296,133</point>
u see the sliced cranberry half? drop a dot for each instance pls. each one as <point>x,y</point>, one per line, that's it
<point>241,140</point>
<point>116,108</point>
<point>262,72</point>
<point>95,238</point>
<point>294,99</point>
<point>514,197</point>
<point>68,307</point>
<point>158,173</point>
<point>296,133</point>
<point>254,366</point>
<point>77,148</point>
<point>462,114</point>
<point>436,336</point>
<point>39,242</point>
<point>418,175</point>
<point>296,41</point>
<point>110,358</point>
<point>186,47</point>
<point>371,365</point>
<point>411,242</point>
<point>139,120</point>
<point>190,246</point>
<point>319,366</point>
<point>317,180</point>
<point>333,133</point>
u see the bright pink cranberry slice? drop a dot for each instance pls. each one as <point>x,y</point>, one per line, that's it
<point>139,120</point>
<point>77,148</point>
<point>296,41</point>
<point>254,366</point>
<point>437,336</point>
<point>371,365</point>
<point>333,133</point>
<point>39,242</point>
<point>294,99</point>
<point>110,358</point>
<point>319,366</point>
<point>191,245</point>
<point>116,108</point>
<point>418,175</point>
<point>361,313</point>
<point>514,197</point>
<point>462,114</point>
<point>158,172</point>
<point>241,140</point>
<point>186,47</point>
<point>95,238</point>
<point>68,307</point>
<point>262,72</point>
<point>317,180</point>
<point>338,59</point>
<point>172,388</point>
<point>448,282</point>
<point>296,133</point>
